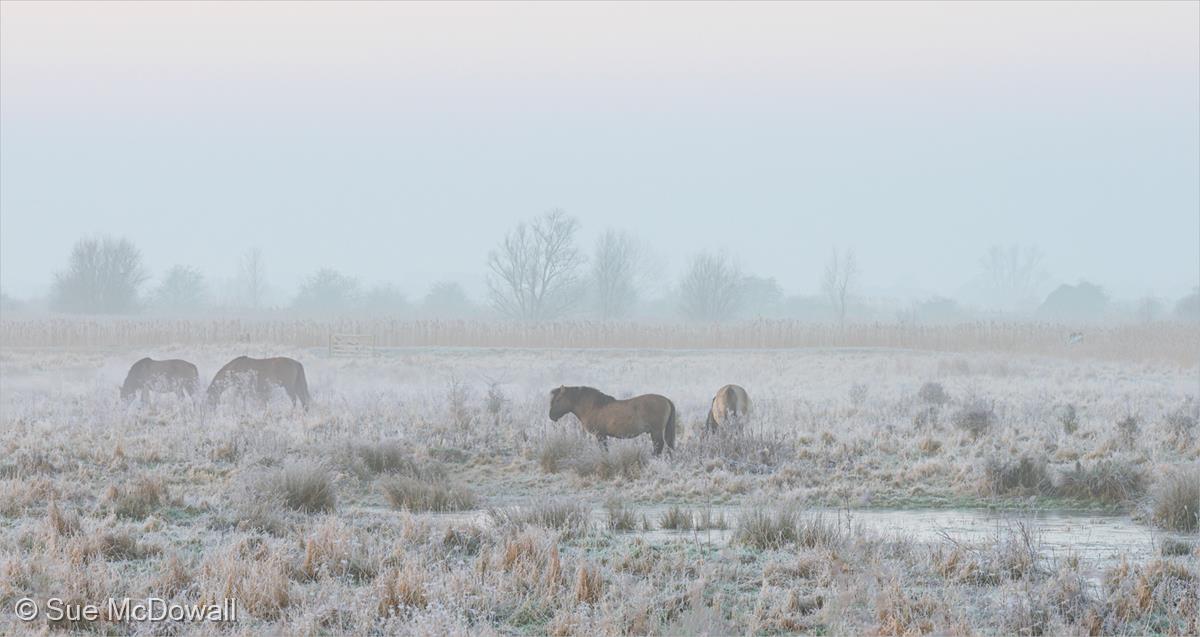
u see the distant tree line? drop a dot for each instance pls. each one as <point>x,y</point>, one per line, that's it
<point>538,272</point>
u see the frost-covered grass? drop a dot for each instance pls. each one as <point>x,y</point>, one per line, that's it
<point>316,520</point>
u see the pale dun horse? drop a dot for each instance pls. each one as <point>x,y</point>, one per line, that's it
<point>730,406</point>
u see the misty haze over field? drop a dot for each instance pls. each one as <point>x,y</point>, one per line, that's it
<point>397,144</point>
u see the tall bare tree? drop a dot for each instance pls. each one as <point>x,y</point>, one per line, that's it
<point>181,289</point>
<point>252,275</point>
<point>616,269</point>
<point>841,275</point>
<point>1014,276</point>
<point>534,273</point>
<point>103,275</point>
<point>711,288</point>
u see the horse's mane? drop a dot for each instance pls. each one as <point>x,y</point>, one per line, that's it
<point>598,397</point>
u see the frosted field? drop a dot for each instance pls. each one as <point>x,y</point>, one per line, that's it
<point>427,491</point>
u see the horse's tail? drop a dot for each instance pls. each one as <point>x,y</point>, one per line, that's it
<point>669,434</point>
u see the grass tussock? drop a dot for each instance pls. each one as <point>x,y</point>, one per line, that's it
<point>412,494</point>
<point>302,486</point>
<point>1014,555</point>
<point>571,518</point>
<point>1175,500</point>
<point>932,393</point>
<point>138,499</point>
<point>1027,475</point>
<point>1108,481</point>
<point>570,451</point>
<point>620,460</point>
<point>402,591</point>
<point>677,518</point>
<point>623,518</point>
<point>764,527</point>
<point>976,417</point>
<point>332,550</point>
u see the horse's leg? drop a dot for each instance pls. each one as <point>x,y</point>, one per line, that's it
<point>657,437</point>
<point>603,440</point>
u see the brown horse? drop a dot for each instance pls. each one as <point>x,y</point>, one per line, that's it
<point>602,415</point>
<point>262,374</point>
<point>730,406</point>
<point>149,375</point>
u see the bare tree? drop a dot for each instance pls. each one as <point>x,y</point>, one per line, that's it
<point>1014,276</point>
<point>103,275</point>
<point>327,290</point>
<point>841,275</point>
<point>534,273</point>
<point>711,288</point>
<point>182,289</point>
<point>252,273</point>
<point>616,269</point>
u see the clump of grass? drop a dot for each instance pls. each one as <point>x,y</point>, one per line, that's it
<point>976,417</point>
<point>62,523</point>
<point>677,518</point>
<point>417,495</point>
<point>137,500</point>
<point>901,611</point>
<point>1175,500</point>
<point>1108,481</point>
<point>932,393</point>
<point>332,551</point>
<point>467,539</point>
<point>1068,417</point>
<point>1172,547</point>
<point>1129,428</point>
<point>556,450</point>
<point>858,394</point>
<point>589,584</point>
<point>625,461</point>
<point>762,527</point>
<point>1181,423</point>
<point>620,516</point>
<point>259,583</point>
<point>708,520</point>
<point>383,457</point>
<point>112,544</point>
<point>302,486</point>
<point>173,576</point>
<point>567,516</point>
<point>930,445</point>
<point>1014,555</point>
<point>1024,476</point>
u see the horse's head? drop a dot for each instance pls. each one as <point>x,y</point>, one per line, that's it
<point>561,402</point>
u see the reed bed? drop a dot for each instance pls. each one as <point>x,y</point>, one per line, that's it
<point>1174,342</point>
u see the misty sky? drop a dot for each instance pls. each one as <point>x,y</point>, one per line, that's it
<point>397,142</point>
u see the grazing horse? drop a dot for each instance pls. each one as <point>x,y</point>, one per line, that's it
<point>602,415</point>
<point>149,375</point>
<point>729,406</point>
<point>262,374</point>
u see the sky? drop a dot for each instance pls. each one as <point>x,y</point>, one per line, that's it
<point>399,141</point>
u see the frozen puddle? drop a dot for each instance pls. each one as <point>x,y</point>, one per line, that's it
<point>1100,540</point>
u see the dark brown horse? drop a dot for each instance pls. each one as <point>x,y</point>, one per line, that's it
<point>149,375</point>
<point>602,415</point>
<point>261,374</point>
<point>730,406</point>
